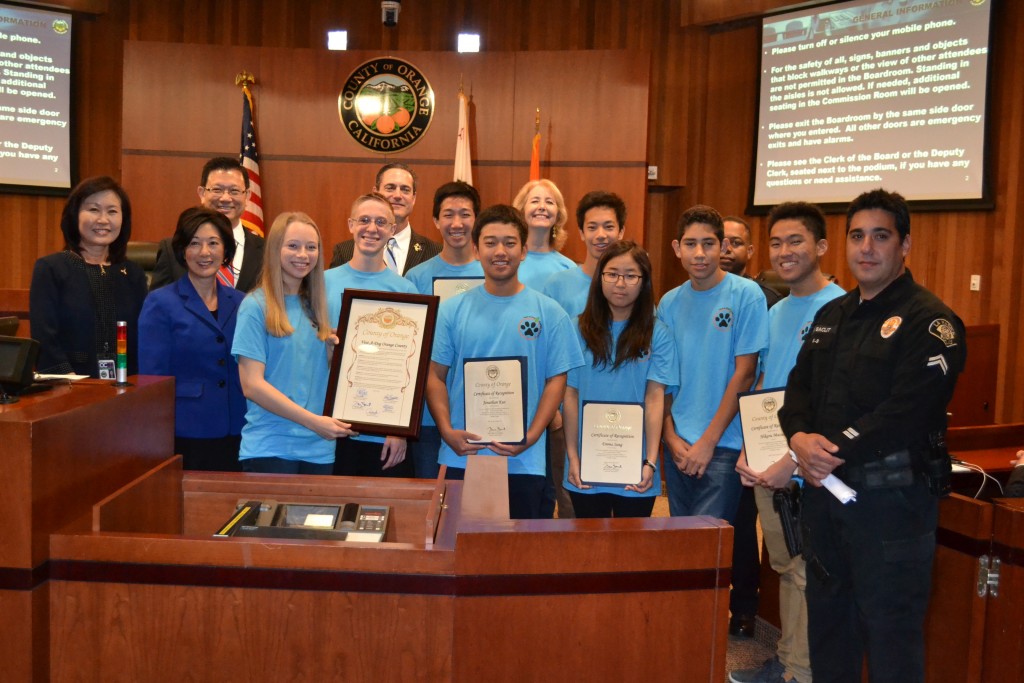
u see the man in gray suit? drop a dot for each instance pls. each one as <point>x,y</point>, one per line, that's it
<point>224,187</point>
<point>397,183</point>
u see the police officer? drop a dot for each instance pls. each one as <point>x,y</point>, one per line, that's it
<point>866,401</point>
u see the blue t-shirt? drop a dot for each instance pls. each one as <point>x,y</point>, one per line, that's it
<point>711,328</point>
<point>422,277</point>
<point>626,384</point>
<point>337,280</point>
<point>296,366</point>
<point>570,288</point>
<point>540,265</point>
<point>480,325</point>
<point>789,321</point>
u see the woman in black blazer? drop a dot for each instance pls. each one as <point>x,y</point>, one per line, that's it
<point>186,330</point>
<point>78,295</point>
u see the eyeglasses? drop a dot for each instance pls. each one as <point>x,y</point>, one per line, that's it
<point>365,221</point>
<point>629,278</point>
<point>232,192</point>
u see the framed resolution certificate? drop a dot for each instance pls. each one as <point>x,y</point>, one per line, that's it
<point>447,287</point>
<point>495,398</point>
<point>611,443</point>
<point>762,434</point>
<point>379,369</point>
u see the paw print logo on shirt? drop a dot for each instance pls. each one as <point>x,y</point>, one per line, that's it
<point>529,327</point>
<point>805,330</point>
<point>723,318</point>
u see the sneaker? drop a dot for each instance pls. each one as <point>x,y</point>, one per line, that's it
<point>771,671</point>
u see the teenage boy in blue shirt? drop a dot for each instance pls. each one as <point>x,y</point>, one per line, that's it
<point>502,319</point>
<point>720,323</point>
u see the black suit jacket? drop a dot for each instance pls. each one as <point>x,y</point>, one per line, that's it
<point>63,314</point>
<point>168,270</point>
<point>420,249</point>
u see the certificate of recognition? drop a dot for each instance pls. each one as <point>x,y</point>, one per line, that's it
<point>379,369</point>
<point>447,287</point>
<point>495,399</point>
<point>612,443</point>
<point>762,434</point>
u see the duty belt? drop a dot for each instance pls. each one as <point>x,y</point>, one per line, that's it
<point>894,470</point>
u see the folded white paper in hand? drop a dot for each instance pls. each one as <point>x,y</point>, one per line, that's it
<point>838,489</point>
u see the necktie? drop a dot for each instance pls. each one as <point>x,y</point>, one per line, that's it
<point>389,255</point>
<point>225,276</point>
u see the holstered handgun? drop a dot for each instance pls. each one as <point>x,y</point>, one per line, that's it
<point>938,469</point>
<point>786,502</point>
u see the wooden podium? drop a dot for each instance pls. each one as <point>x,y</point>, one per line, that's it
<point>61,451</point>
<point>109,570</point>
<point>453,594</point>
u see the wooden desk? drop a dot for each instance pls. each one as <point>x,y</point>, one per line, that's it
<point>972,636</point>
<point>992,448</point>
<point>63,450</point>
<point>480,600</point>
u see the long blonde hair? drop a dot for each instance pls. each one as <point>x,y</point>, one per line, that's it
<point>312,292</point>
<point>557,237</point>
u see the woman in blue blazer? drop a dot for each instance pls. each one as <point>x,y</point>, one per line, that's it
<point>186,330</point>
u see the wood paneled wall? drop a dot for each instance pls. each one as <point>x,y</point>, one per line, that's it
<point>700,121</point>
<point>309,163</point>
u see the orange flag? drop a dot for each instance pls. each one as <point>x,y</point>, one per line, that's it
<point>535,158</point>
<point>535,155</point>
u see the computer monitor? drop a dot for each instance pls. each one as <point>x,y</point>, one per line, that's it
<point>17,365</point>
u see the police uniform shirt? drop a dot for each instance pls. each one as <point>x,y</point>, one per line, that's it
<point>875,376</point>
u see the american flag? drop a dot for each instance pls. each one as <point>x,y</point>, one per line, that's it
<point>252,217</point>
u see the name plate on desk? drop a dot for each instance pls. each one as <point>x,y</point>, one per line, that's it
<point>612,443</point>
<point>495,399</point>
<point>763,439</point>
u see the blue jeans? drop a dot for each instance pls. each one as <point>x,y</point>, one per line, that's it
<point>716,494</point>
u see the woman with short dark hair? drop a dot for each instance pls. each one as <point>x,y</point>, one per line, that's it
<point>186,330</point>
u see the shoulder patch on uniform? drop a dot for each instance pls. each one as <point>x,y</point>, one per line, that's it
<point>944,331</point>
<point>890,326</point>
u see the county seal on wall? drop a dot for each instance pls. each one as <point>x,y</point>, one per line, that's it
<point>386,105</point>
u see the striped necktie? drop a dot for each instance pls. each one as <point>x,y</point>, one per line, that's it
<point>226,276</point>
<point>389,256</point>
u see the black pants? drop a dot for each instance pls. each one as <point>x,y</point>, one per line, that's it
<point>746,562</point>
<point>525,493</point>
<point>362,459</point>
<point>211,455</point>
<point>603,505</point>
<point>877,553</point>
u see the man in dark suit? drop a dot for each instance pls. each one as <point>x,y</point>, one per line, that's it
<point>224,187</point>
<point>397,183</point>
